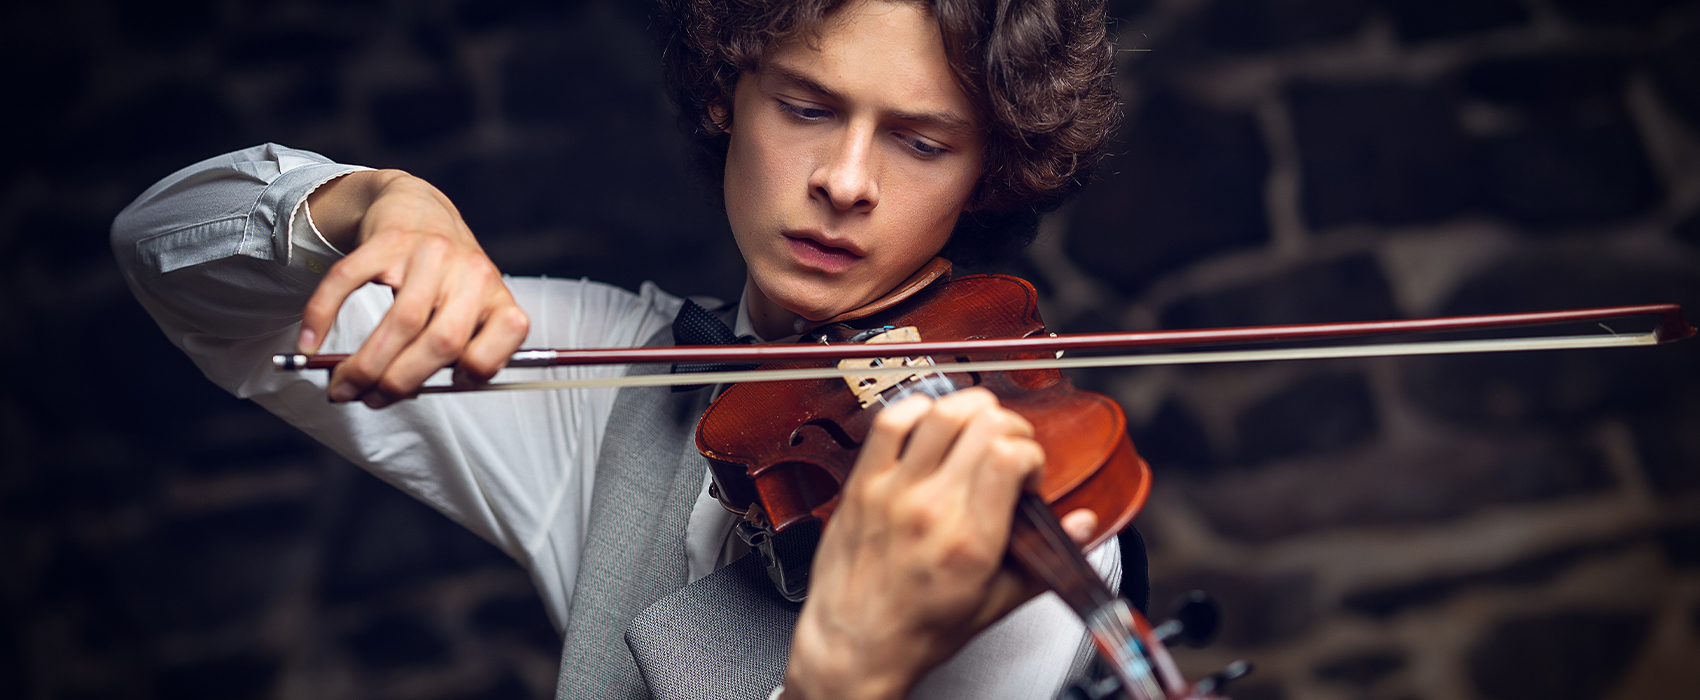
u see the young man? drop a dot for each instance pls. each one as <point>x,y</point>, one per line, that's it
<point>856,140</point>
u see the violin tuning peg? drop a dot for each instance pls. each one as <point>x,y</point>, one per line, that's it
<point>1195,621</point>
<point>1215,681</point>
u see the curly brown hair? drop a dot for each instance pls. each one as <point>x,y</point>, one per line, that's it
<point>1038,71</point>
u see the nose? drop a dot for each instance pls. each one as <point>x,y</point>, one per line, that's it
<point>847,176</point>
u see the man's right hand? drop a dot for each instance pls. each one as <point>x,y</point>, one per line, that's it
<point>451,306</point>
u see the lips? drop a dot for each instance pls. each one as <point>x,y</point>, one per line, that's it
<point>814,250</point>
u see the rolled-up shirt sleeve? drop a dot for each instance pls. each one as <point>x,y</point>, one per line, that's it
<point>223,254</point>
<point>241,209</point>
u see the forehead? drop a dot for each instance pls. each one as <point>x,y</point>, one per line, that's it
<point>889,55</point>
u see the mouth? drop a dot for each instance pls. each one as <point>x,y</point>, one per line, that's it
<point>815,250</point>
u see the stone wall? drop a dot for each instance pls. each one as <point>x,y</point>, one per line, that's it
<point>1506,527</point>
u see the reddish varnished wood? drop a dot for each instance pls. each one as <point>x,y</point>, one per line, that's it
<point>789,445</point>
<point>779,451</point>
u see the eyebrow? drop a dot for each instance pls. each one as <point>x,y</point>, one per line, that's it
<point>942,119</point>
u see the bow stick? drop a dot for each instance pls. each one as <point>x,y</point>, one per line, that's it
<point>1670,326</point>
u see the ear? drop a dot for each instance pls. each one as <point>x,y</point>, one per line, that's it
<point>722,116</point>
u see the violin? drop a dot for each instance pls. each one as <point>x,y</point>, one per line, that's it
<point>782,439</point>
<point>779,453</point>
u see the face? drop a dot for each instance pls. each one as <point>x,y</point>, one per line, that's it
<point>851,158</point>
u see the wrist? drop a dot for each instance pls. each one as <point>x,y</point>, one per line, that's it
<point>339,205</point>
<point>823,669</point>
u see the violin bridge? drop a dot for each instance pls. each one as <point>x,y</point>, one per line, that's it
<point>868,387</point>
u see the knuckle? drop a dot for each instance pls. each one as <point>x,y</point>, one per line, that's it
<point>915,519</point>
<point>359,372</point>
<point>888,423</point>
<point>479,370</point>
<point>433,243</point>
<point>1014,422</point>
<point>444,343</point>
<point>954,411</point>
<point>341,272</point>
<point>965,554</point>
<point>387,234</point>
<point>515,320</point>
<point>409,316</point>
<point>1015,456</point>
<point>487,274</point>
<point>975,397</point>
<point>1026,453</point>
<point>393,387</point>
<point>313,311</point>
<point>1035,454</point>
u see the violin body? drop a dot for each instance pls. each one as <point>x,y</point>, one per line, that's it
<point>779,452</point>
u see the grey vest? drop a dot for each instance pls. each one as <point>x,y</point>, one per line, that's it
<point>635,630</point>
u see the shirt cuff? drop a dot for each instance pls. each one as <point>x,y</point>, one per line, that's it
<point>308,249</point>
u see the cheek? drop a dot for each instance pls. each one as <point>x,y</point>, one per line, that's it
<point>753,175</point>
<point>935,209</point>
<point>740,189</point>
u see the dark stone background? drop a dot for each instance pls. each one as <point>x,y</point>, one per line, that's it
<point>1518,526</point>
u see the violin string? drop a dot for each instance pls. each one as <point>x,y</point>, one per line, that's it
<point>1111,624</point>
<point>1201,357</point>
<point>1112,632</point>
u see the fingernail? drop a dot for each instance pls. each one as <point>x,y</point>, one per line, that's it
<point>304,342</point>
<point>342,392</point>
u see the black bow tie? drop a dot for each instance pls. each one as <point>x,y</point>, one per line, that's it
<point>698,326</point>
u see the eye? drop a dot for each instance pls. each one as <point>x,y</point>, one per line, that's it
<point>805,113</point>
<point>921,147</point>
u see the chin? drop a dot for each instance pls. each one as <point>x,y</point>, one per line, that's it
<point>817,311</point>
<point>814,298</point>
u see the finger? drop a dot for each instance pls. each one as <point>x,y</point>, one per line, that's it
<point>415,302</point>
<point>891,429</point>
<point>1080,523</point>
<point>503,331</point>
<point>1013,586</point>
<point>983,435</point>
<point>934,436</point>
<point>997,458</point>
<point>347,275</point>
<point>436,346</point>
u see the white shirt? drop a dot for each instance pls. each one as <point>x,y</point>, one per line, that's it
<point>223,254</point>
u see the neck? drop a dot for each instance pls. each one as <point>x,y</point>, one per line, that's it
<point>769,320</point>
<point>773,321</point>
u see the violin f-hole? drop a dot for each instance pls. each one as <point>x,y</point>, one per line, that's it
<point>833,430</point>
